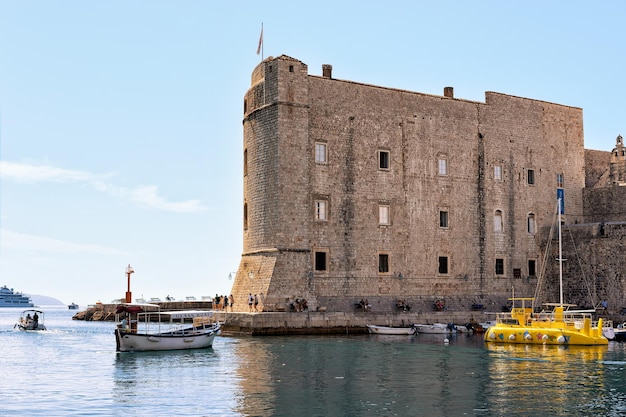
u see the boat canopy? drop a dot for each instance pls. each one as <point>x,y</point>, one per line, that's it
<point>185,314</point>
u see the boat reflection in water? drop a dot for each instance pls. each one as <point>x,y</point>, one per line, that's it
<point>561,378</point>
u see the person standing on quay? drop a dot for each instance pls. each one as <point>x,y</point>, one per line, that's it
<point>250,301</point>
<point>232,303</point>
<point>256,303</point>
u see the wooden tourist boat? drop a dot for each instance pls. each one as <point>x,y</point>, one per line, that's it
<point>144,327</point>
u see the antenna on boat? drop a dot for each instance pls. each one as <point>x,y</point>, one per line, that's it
<point>558,207</point>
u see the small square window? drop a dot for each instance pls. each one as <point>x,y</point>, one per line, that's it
<point>497,172</point>
<point>321,210</point>
<point>517,273</point>
<point>443,219</point>
<point>383,263</point>
<point>290,68</point>
<point>443,264</point>
<point>320,261</point>
<point>320,153</point>
<point>499,266</point>
<point>531,176</point>
<point>443,167</point>
<point>532,271</point>
<point>383,215</point>
<point>383,159</point>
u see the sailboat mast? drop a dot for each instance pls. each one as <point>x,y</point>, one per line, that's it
<point>558,207</point>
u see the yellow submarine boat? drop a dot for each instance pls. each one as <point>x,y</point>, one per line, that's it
<point>560,326</point>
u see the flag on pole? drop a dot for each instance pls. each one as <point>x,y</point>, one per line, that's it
<point>258,49</point>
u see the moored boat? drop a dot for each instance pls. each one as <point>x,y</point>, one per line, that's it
<point>31,320</point>
<point>620,333</point>
<point>558,326</point>
<point>72,306</point>
<point>144,327</point>
<point>441,328</point>
<point>374,329</point>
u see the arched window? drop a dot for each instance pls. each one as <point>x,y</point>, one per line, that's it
<point>497,222</point>
<point>245,162</point>
<point>245,216</point>
<point>532,228</point>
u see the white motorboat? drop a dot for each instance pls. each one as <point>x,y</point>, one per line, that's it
<point>374,329</point>
<point>31,320</point>
<point>440,328</point>
<point>620,333</point>
<point>144,327</point>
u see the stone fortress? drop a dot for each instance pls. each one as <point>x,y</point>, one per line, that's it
<point>355,191</point>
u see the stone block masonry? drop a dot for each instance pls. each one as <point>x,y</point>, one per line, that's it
<point>358,191</point>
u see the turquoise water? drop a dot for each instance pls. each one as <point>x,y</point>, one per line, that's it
<point>73,370</point>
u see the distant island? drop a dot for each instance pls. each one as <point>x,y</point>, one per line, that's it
<point>42,300</point>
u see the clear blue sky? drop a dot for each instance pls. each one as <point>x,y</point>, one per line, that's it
<point>120,121</point>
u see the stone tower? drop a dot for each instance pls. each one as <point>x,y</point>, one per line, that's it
<point>358,191</point>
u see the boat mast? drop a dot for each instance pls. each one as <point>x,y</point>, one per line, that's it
<point>558,207</point>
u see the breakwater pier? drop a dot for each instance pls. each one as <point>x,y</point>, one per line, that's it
<point>302,323</point>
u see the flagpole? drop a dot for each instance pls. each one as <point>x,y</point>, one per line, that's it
<point>259,49</point>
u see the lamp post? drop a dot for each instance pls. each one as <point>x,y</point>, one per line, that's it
<point>129,295</point>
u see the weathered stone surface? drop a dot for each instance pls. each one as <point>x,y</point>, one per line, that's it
<point>531,143</point>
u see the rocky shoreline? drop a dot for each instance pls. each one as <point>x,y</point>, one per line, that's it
<point>106,312</point>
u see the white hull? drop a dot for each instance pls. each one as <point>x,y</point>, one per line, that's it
<point>439,328</point>
<point>30,327</point>
<point>390,330</point>
<point>133,342</point>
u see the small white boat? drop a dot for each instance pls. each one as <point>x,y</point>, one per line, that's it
<point>620,333</point>
<point>440,328</point>
<point>374,329</point>
<point>31,320</point>
<point>144,327</point>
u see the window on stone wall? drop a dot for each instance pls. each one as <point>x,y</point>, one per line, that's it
<point>321,210</point>
<point>321,153</point>
<point>532,269</point>
<point>383,215</point>
<point>443,166</point>
<point>497,172</point>
<point>517,273</point>
<point>443,265</point>
<point>245,216</point>
<point>443,219</point>
<point>530,176</point>
<point>499,266</point>
<point>320,261</point>
<point>559,180</point>
<point>383,263</point>
<point>497,222</point>
<point>245,162</point>
<point>531,224</point>
<point>383,160</point>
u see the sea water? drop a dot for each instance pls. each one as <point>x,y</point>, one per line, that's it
<point>72,369</point>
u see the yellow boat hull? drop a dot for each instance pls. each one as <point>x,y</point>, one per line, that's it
<point>529,334</point>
